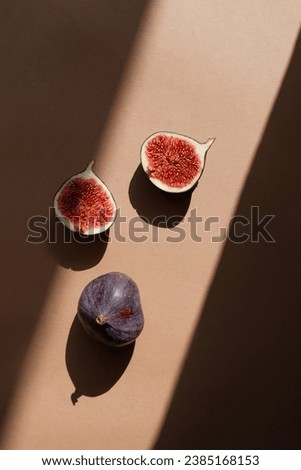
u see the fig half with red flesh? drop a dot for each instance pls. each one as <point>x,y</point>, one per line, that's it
<point>85,204</point>
<point>173,162</point>
<point>110,311</point>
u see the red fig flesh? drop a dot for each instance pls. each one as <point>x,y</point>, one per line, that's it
<point>110,310</point>
<point>85,204</point>
<point>173,162</point>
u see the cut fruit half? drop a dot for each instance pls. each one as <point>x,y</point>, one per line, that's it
<point>173,162</point>
<point>85,204</point>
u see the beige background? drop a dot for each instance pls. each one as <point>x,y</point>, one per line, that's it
<point>217,364</point>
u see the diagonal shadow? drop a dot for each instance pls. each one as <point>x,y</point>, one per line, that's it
<point>240,387</point>
<point>61,66</point>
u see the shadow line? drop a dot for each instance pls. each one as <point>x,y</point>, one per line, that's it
<point>62,64</point>
<point>240,387</point>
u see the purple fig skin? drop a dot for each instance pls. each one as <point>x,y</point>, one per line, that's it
<point>110,310</point>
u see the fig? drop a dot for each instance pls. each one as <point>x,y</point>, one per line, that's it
<point>85,204</point>
<point>109,309</point>
<point>173,162</point>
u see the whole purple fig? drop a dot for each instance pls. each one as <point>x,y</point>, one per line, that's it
<point>110,310</point>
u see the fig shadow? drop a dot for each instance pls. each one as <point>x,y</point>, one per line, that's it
<point>75,251</point>
<point>93,367</point>
<point>154,206</point>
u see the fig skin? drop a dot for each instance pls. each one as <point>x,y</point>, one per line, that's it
<point>109,309</point>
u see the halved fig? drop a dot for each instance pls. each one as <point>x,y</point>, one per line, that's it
<point>85,204</point>
<point>173,162</point>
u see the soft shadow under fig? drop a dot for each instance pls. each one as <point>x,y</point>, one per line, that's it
<point>74,251</point>
<point>155,206</point>
<point>93,367</point>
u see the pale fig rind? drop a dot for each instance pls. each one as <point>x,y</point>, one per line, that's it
<point>110,311</point>
<point>86,175</point>
<point>199,149</point>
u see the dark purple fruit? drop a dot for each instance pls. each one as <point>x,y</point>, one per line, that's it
<point>110,309</point>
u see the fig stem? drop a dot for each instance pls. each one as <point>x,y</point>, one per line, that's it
<point>208,144</point>
<point>90,166</point>
<point>101,319</point>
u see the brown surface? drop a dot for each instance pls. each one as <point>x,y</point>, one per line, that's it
<point>81,81</point>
